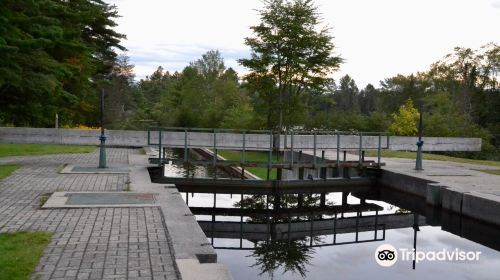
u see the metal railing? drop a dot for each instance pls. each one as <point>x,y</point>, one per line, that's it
<point>286,147</point>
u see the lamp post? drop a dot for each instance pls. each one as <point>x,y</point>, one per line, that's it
<point>420,143</point>
<point>102,138</point>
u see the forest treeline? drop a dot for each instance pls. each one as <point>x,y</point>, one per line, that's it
<point>459,96</point>
<point>57,56</point>
<point>54,55</point>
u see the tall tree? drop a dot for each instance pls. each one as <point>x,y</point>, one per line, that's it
<point>404,122</point>
<point>290,53</point>
<point>204,94</point>
<point>347,95</point>
<point>51,54</point>
<point>467,72</point>
<point>210,65</point>
<point>118,96</point>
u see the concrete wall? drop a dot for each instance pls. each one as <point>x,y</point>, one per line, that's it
<point>397,143</point>
<point>71,136</point>
<point>405,143</point>
<point>232,141</point>
<point>253,141</point>
<point>306,142</point>
<point>482,206</point>
<point>401,182</point>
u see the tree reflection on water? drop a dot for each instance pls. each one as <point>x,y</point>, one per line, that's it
<point>291,255</point>
<point>280,251</point>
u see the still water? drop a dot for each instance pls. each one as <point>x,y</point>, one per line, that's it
<point>336,235</point>
<point>297,252</point>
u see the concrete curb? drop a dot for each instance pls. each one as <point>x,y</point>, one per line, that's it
<point>194,256</point>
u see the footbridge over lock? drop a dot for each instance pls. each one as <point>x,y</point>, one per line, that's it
<point>297,156</point>
<point>263,140</point>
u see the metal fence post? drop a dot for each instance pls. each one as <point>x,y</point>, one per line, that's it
<point>360,147</point>
<point>314,147</point>
<point>159,147</point>
<point>269,158</point>
<point>214,158</point>
<point>185,146</point>
<point>379,149</point>
<point>244,148</point>
<point>291,149</point>
<point>338,154</point>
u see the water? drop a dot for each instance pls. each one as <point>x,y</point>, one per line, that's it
<point>177,170</point>
<point>333,235</point>
<point>276,256</point>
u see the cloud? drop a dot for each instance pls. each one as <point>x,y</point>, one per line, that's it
<point>495,4</point>
<point>175,57</point>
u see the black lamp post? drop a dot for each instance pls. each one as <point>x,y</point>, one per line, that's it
<point>102,147</point>
<point>420,142</point>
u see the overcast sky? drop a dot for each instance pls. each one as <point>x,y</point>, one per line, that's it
<point>377,38</point>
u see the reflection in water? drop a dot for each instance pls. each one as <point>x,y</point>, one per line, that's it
<point>274,253</point>
<point>284,230</point>
<point>289,255</point>
<point>286,234</point>
<point>189,171</point>
<point>416,228</point>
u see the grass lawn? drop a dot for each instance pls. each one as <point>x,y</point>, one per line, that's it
<point>412,155</point>
<point>20,253</point>
<point>6,170</point>
<point>7,150</point>
<point>251,156</point>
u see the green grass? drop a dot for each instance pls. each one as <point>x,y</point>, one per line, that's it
<point>252,156</point>
<point>494,172</point>
<point>8,150</point>
<point>6,170</point>
<point>412,155</point>
<point>20,253</point>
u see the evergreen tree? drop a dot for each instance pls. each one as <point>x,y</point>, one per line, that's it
<point>51,55</point>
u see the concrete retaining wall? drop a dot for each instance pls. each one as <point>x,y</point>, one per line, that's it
<point>132,138</point>
<point>434,144</point>
<point>71,136</point>
<point>396,143</point>
<point>404,183</point>
<point>480,206</point>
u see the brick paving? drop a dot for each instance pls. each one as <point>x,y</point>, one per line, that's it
<point>90,243</point>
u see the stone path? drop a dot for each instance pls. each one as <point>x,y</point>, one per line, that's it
<point>105,243</point>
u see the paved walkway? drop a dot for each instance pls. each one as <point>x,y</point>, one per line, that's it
<point>464,176</point>
<point>105,243</point>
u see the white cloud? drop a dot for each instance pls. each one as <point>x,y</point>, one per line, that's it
<point>174,57</point>
<point>378,39</point>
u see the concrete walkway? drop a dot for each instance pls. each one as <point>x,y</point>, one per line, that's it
<point>460,175</point>
<point>104,243</point>
<point>457,187</point>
